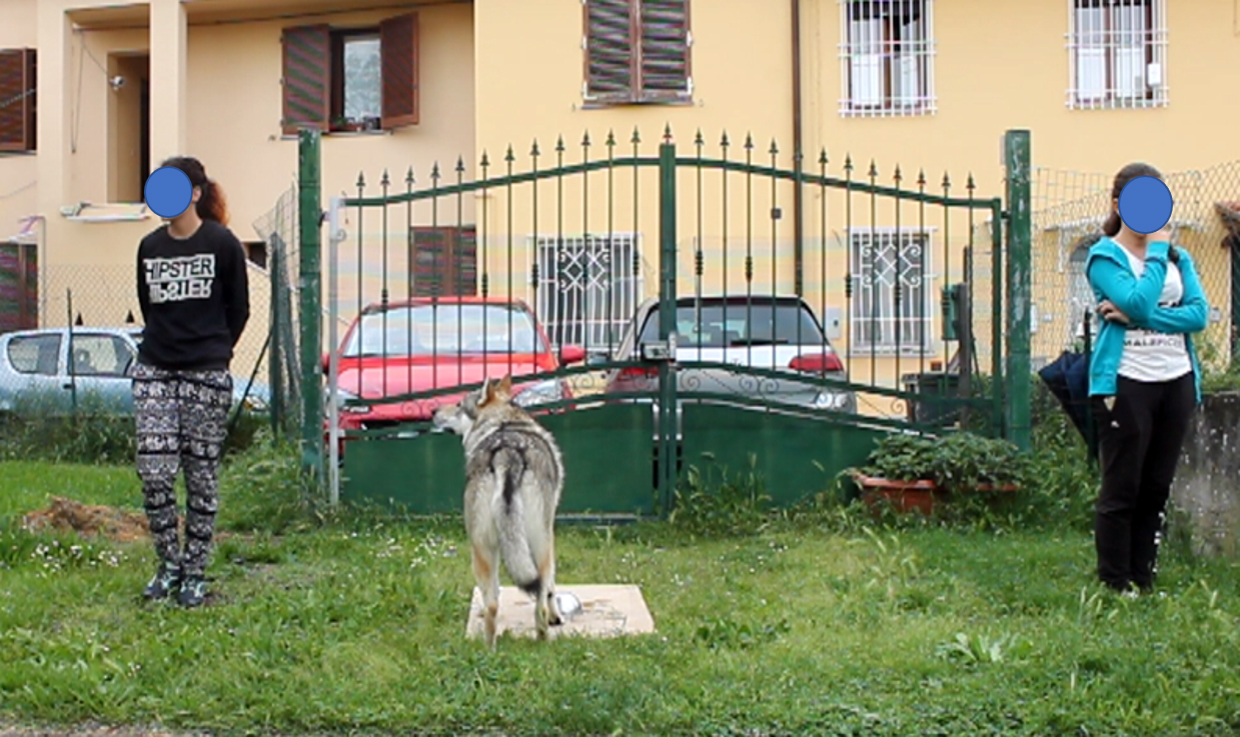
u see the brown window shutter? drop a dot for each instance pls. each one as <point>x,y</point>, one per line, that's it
<point>431,259</point>
<point>17,99</point>
<point>465,281</point>
<point>307,77</point>
<point>398,47</point>
<point>610,49</point>
<point>664,49</point>
<point>444,261</point>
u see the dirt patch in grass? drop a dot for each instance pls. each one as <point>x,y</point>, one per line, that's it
<point>68,515</point>
<point>117,525</point>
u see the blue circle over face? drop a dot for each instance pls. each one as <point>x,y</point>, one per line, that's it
<point>1145,204</point>
<point>168,191</point>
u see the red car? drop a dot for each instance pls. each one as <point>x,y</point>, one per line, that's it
<point>420,345</point>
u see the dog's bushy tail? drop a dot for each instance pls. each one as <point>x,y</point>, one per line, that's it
<point>514,545</point>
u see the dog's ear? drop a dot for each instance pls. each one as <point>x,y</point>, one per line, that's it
<point>488,392</point>
<point>505,386</point>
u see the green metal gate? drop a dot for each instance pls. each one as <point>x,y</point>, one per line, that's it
<point>721,341</point>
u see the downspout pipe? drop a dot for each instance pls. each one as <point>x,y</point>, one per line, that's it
<point>798,222</point>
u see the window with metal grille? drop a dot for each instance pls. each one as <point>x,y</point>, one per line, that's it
<point>881,260</point>
<point>637,51</point>
<point>588,288</point>
<point>887,57</point>
<point>1117,54</point>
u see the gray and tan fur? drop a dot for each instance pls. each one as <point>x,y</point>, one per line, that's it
<point>514,475</point>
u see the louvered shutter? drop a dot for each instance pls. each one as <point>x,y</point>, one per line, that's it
<point>664,48</point>
<point>431,252</point>
<point>17,100</point>
<point>465,280</point>
<point>307,77</point>
<point>610,49</point>
<point>398,47</point>
<point>18,287</point>
<point>445,261</point>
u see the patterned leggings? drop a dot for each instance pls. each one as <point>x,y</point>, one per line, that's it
<point>181,422</point>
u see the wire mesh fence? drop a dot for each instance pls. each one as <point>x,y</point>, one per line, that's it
<point>278,228</point>
<point>1069,208</point>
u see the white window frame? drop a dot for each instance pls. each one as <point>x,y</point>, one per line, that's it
<point>1113,40</point>
<point>882,78</point>
<point>586,308</point>
<point>861,301</point>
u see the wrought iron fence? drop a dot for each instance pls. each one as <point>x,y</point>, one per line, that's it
<point>626,270</point>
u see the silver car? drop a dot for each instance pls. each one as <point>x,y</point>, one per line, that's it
<point>38,374</point>
<point>779,334</point>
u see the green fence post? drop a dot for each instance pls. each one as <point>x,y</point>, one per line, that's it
<point>1017,163</point>
<point>309,282</point>
<point>996,321</point>
<point>668,473</point>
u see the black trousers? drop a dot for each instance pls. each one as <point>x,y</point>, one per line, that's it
<point>1140,436</point>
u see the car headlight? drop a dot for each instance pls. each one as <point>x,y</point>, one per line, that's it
<point>541,393</point>
<point>342,397</point>
<point>831,400</point>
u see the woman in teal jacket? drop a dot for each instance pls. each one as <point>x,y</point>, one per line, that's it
<point>1144,385</point>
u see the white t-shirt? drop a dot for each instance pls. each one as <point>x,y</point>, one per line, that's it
<point>1151,356</point>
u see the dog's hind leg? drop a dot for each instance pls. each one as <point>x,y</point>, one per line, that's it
<point>547,568</point>
<point>486,575</point>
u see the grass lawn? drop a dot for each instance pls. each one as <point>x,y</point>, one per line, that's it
<point>823,628</point>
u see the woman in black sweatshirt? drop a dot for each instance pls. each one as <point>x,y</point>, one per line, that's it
<point>194,294</point>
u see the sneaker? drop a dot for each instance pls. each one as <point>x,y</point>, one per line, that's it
<point>193,592</point>
<point>167,580</point>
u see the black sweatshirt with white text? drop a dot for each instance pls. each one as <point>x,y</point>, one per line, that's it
<point>195,297</point>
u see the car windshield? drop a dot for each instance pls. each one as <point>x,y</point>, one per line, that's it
<point>739,323</point>
<point>426,330</point>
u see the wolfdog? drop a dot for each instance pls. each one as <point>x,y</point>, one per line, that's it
<point>513,478</point>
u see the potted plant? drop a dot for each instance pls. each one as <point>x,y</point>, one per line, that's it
<point>898,471</point>
<point>343,124</point>
<point>913,472</point>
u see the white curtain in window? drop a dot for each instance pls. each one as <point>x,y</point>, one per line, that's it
<point>1091,54</point>
<point>1128,28</point>
<point>866,61</point>
<point>908,89</point>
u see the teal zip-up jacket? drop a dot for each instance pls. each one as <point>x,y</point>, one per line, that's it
<point>1113,279</point>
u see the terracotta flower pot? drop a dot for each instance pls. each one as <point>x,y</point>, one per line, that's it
<point>910,496</point>
<point>904,496</point>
